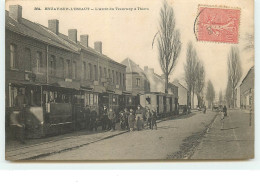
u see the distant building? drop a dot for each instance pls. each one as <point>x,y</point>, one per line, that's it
<point>247,90</point>
<point>182,93</point>
<point>136,80</point>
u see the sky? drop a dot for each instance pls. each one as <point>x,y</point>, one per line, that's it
<point>126,33</point>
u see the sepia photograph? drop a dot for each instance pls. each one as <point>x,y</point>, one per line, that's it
<point>121,80</point>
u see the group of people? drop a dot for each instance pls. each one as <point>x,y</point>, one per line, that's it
<point>129,120</point>
<point>138,120</point>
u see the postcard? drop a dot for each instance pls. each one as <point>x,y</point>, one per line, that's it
<point>121,80</point>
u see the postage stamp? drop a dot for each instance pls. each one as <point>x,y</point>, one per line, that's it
<point>218,24</point>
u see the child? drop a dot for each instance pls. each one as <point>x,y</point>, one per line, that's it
<point>131,120</point>
<point>153,120</point>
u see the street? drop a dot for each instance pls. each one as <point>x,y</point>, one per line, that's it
<point>143,145</point>
<point>194,136</point>
<point>234,141</point>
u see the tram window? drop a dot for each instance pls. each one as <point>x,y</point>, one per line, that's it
<point>91,99</point>
<point>12,95</point>
<point>95,99</point>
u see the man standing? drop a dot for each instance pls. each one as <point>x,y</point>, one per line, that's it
<point>112,119</point>
<point>17,118</point>
<point>148,118</point>
<point>87,117</point>
<point>139,117</point>
<point>126,114</point>
<point>104,118</point>
<point>93,120</point>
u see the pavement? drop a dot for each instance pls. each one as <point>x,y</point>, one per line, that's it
<point>232,140</point>
<point>35,148</point>
<point>139,145</point>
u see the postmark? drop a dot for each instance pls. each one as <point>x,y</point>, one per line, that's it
<point>218,24</point>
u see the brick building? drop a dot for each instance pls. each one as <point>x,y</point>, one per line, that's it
<point>50,67</point>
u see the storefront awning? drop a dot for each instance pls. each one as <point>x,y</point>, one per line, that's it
<point>68,85</point>
<point>24,83</point>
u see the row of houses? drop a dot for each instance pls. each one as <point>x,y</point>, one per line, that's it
<point>145,80</point>
<point>48,65</point>
<point>62,75</point>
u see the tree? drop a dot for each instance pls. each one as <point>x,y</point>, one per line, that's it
<point>169,44</point>
<point>234,71</point>
<point>199,81</point>
<point>220,97</point>
<point>228,95</point>
<point>190,70</point>
<point>210,96</point>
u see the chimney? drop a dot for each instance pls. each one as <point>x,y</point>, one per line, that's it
<point>84,40</point>
<point>53,25</point>
<point>145,68</point>
<point>15,12</point>
<point>98,46</point>
<point>72,33</point>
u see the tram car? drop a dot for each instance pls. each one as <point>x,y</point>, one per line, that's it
<point>163,104</point>
<point>60,111</point>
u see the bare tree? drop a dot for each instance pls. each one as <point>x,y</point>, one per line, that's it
<point>169,44</point>
<point>199,81</point>
<point>220,97</point>
<point>190,70</point>
<point>228,95</point>
<point>210,96</point>
<point>250,44</point>
<point>234,71</point>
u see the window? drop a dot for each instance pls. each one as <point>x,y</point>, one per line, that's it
<point>100,73</point>
<point>138,82</point>
<point>39,62</point>
<point>62,67</point>
<point>74,70</point>
<point>96,72</point>
<point>120,79</point>
<point>109,74</point>
<point>13,57</point>
<point>52,65</point>
<point>90,71</point>
<point>105,72</point>
<point>67,68</point>
<point>113,76</point>
<point>117,78</point>
<point>84,68</point>
<point>123,80</point>
<point>27,59</point>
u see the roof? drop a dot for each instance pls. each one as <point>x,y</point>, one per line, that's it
<point>249,71</point>
<point>37,32</point>
<point>178,84</point>
<point>132,67</point>
<point>42,33</point>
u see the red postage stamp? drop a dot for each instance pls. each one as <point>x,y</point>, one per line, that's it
<point>218,24</point>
